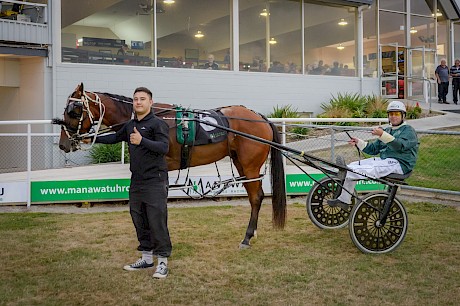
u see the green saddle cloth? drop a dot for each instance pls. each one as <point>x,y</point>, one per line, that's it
<point>186,129</point>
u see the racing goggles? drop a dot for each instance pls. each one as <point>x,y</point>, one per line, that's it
<point>394,113</point>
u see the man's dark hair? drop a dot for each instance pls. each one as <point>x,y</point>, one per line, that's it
<point>143,89</point>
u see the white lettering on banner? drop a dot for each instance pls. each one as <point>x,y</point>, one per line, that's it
<point>15,192</point>
<point>209,185</point>
<point>301,183</point>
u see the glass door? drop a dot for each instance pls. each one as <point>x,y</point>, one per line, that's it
<point>389,70</point>
<point>420,71</point>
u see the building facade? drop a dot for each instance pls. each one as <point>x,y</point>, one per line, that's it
<point>268,53</point>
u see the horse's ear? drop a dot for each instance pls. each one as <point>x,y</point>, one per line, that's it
<point>79,90</point>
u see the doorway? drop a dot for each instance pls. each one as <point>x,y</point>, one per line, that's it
<point>406,73</point>
<point>420,73</point>
<point>392,71</point>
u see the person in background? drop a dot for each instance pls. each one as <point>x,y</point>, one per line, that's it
<point>148,140</point>
<point>335,70</point>
<point>455,74</point>
<point>442,77</point>
<point>398,149</point>
<point>211,64</point>
<point>123,50</point>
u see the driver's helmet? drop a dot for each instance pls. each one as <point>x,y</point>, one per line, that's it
<point>396,106</point>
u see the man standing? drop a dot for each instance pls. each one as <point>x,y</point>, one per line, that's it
<point>148,139</point>
<point>455,74</point>
<point>442,77</point>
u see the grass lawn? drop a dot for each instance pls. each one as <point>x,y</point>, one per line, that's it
<point>77,259</point>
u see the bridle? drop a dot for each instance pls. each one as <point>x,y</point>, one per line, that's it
<point>84,102</point>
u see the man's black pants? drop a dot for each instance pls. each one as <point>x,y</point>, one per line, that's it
<point>455,88</point>
<point>149,212</point>
<point>443,89</point>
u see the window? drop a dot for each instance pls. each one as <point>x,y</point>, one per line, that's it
<point>329,54</point>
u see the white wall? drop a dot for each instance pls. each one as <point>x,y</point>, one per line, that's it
<point>209,89</point>
<point>9,72</point>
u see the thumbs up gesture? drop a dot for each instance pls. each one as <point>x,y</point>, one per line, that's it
<point>135,137</point>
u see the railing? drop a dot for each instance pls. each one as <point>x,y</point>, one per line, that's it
<point>44,153</point>
<point>28,24</point>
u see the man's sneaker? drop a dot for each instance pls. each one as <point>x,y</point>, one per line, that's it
<point>338,203</point>
<point>140,264</point>
<point>161,271</point>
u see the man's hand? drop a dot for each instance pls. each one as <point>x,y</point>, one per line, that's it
<point>135,137</point>
<point>378,131</point>
<point>353,141</point>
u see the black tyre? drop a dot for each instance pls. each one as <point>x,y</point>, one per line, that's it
<point>319,212</point>
<point>364,227</point>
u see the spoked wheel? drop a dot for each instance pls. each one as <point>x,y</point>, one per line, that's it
<point>365,231</point>
<point>320,213</point>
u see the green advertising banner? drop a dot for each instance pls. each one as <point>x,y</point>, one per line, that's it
<point>82,190</point>
<point>118,189</point>
<point>302,183</point>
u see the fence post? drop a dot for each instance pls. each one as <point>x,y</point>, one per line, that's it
<point>122,152</point>
<point>332,144</point>
<point>283,140</point>
<point>29,163</point>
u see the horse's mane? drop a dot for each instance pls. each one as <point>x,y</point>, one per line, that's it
<point>126,103</point>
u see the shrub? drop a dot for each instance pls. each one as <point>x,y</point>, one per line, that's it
<point>288,111</point>
<point>102,153</point>
<point>354,103</point>
<point>413,112</point>
<point>376,107</point>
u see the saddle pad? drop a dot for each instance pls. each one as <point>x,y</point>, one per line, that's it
<point>199,133</point>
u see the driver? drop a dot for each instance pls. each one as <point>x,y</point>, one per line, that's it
<point>398,149</point>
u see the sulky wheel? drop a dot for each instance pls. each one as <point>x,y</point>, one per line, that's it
<point>364,227</point>
<point>320,213</point>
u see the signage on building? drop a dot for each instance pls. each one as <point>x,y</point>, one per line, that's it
<point>137,45</point>
<point>103,42</point>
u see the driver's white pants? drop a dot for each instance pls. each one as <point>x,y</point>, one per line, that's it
<point>373,167</point>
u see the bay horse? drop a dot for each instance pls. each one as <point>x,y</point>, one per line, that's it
<point>86,111</point>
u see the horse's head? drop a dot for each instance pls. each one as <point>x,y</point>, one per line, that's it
<point>82,111</point>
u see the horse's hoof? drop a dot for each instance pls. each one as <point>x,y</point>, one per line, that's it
<point>244,246</point>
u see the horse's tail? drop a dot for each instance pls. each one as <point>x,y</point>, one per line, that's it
<point>278,182</point>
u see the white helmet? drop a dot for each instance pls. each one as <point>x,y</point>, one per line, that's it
<point>396,106</point>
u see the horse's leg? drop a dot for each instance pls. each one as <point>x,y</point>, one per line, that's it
<point>255,195</point>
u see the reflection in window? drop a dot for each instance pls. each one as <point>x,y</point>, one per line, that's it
<point>422,32</point>
<point>99,36</point>
<point>193,34</point>
<point>422,7</point>
<point>393,5</point>
<point>270,30</point>
<point>254,19</point>
<point>456,52</point>
<point>370,43</point>
<point>329,54</point>
<point>392,28</point>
